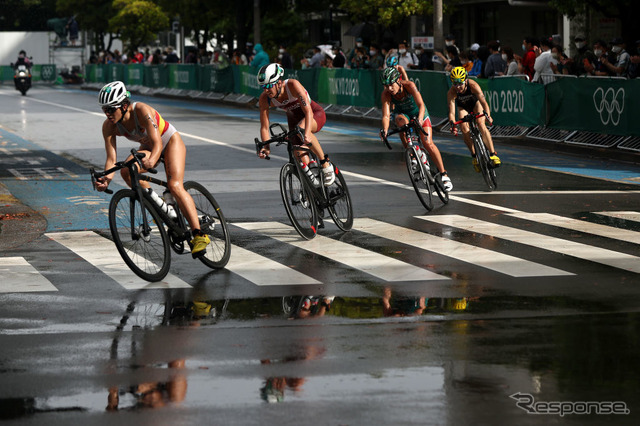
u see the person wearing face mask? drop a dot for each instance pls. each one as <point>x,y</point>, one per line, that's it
<point>560,67</point>
<point>529,44</point>
<point>600,49</point>
<point>543,61</point>
<point>351,53</point>
<point>406,59</point>
<point>339,60</point>
<point>284,59</point>
<point>450,40</point>
<point>622,58</point>
<point>376,60</point>
<point>584,56</point>
<point>425,61</point>
<point>511,60</point>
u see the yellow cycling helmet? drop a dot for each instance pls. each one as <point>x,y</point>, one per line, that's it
<point>458,75</point>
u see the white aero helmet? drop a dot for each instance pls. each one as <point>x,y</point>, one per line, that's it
<point>113,94</point>
<point>270,74</point>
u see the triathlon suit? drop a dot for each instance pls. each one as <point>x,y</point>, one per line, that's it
<point>408,107</point>
<point>139,133</point>
<point>466,100</point>
<point>295,114</point>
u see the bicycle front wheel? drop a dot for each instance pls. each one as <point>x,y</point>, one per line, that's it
<point>300,207</point>
<point>486,168</point>
<point>339,202</point>
<point>144,248</point>
<point>212,223</point>
<point>419,179</point>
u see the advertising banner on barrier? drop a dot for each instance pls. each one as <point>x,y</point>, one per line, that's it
<point>515,102</point>
<point>156,76</point>
<point>245,80</point>
<point>44,72</point>
<point>215,80</point>
<point>183,76</point>
<point>596,105</point>
<point>308,78</point>
<point>347,87</point>
<point>135,74</point>
<point>115,72</point>
<point>433,86</point>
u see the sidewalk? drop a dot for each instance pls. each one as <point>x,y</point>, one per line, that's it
<point>19,224</point>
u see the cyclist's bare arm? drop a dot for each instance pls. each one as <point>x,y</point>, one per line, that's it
<point>263,103</point>
<point>476,90</point>
<point>451,102</point>
<point>146,118</point>
<point>403,72</point>
<point>109,135</point>
<point>386,111</point>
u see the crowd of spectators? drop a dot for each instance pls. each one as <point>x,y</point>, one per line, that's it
<point>539,58</point>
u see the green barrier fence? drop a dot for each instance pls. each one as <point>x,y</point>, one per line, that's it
<point>596,105</point>
<point>40,72</point>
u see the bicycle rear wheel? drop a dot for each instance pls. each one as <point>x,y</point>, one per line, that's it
<point>212,223</point>
<point>145,251</point>
<point>339,202</point>
<point>419,178</point>
<point>486,168</point>
<point>300,207</point>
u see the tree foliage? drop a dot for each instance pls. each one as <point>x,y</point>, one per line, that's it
<point>26,15</point>
<point>137,21</point>
<point>92,15</point>
<point>385,12</point>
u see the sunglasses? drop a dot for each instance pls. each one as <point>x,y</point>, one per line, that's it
<point>110,109</point>
<point>267,86</point>
<point>458,84</point>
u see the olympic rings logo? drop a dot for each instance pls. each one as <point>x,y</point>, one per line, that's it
<point>47,72</point>
<point>609,104</point>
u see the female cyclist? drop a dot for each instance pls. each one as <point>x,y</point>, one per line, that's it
<point>141,123</point>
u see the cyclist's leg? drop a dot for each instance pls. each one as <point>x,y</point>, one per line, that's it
<point>175,154</point>
<point>482,126</point>
<point>401,119</point>
<point>466,133</point>
<point>434,152</point>
<point>125,172</point>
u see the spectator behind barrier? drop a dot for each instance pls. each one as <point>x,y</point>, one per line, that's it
<point>601,50</point>
<point>543,61</point>
<point>406,59</point>
<point>619,68</point>
<point>561,66</point>
<point>495,64</point>
<point>425,61</point>
<point>584,56</point>
<point>513,65</point>
<point>634,63</point>
<point>476,69</point>
<point>261,57</point>
<point>376,60</point>
<point>529,46</point>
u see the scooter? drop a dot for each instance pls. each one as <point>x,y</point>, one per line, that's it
<point>22,78</point>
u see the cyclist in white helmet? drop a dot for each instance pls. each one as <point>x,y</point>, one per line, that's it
<point>292,97</point>
<point>142,124</point>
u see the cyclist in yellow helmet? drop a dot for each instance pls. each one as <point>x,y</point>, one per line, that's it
<point>468,96</point>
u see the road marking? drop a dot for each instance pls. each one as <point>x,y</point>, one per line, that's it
<point>558,245</point>
<point>582,226</point>
<point>102,254</point>
<point>378,265</point>
<point>478,256</point>
<point>263,271</point>
<point>18,276</point>
<point>626,215</point>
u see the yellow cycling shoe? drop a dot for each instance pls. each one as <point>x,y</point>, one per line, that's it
<point>495,160</point>
<point>476,166</point>
<point>199,245</point>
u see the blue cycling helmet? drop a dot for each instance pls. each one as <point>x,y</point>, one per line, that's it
<point>392,61</point>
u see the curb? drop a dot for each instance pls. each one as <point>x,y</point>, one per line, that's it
<point>19,224</point>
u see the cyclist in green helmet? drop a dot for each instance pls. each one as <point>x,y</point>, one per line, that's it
<point>407,103</point>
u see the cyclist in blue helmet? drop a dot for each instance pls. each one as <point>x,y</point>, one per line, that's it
<point>392,61</point>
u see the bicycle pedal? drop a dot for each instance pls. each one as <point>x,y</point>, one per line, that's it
<point>320,223</point>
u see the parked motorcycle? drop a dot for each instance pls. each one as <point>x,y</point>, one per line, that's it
<point>22,78</point>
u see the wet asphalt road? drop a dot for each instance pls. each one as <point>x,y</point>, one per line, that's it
<point>448,317</point>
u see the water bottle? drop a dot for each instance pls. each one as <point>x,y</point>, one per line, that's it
<point>307,169</point>
<point>159,201</point>
<point>171,203</point>
<point>423,156</point>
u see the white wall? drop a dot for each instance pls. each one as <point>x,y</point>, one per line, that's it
<point>35,43</point>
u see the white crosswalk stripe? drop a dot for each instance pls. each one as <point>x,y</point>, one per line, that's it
<point>20,276</point>
<point>582,226</point>
<point>101,253</point>
<point>626,215</point>
<point>375,264</point>
<point>495,261</point>
<point>558,245</point>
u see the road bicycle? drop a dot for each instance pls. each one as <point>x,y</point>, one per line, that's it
<point>423,178</point>
<point>143,232</point>
<point>305,200</point>
<point>482,153</point>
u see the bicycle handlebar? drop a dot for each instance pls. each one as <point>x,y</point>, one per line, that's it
<point>280,138</point>
<point>412,123</point>
<point>469,118</point>
<point>120,165</point>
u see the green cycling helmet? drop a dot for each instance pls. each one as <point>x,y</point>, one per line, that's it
<point>389,76</point>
